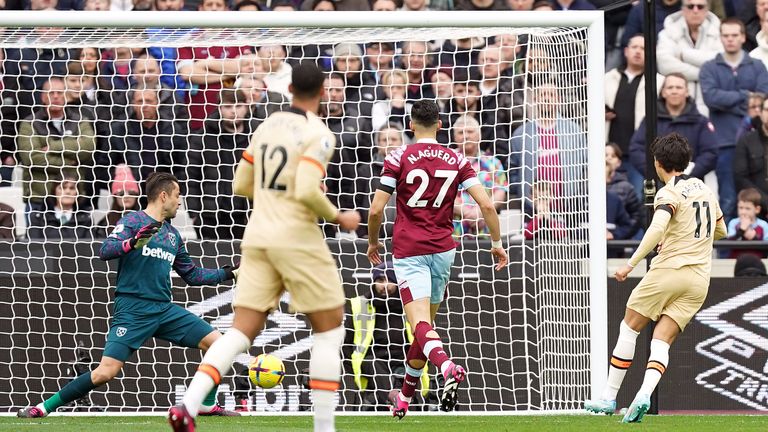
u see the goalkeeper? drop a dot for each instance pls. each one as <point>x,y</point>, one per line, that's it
<point>147,247</point>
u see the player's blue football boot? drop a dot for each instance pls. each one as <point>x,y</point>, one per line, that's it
<point>637,409</point>
<point>600,406</point>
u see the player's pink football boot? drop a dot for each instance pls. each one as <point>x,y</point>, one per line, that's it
<point>399,406</point>
<point>180,419</point>
<point>31,412</point>
<point>453,377</point>
<point>219,411</point>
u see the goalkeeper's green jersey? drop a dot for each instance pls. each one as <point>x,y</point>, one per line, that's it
<point>146,273</point>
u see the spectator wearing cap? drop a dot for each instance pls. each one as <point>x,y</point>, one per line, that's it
<point>379,58</point>
<point>376,340</point>
<point>348,60</point>
<point>125,199</point>
<point>749,265</point>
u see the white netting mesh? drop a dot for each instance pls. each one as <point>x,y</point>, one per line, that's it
<point>132,101</point>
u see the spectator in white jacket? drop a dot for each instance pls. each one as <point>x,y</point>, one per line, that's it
<point>761,52</point>
<point>625,103</point>
<point>690,38</point>
<point>395,107</point>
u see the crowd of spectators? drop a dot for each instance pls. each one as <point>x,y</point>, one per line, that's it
<point>80,124</point>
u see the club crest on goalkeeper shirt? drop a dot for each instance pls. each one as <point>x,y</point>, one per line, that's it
<point>145,272</point>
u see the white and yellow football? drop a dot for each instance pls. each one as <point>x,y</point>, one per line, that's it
<point>266,371</point>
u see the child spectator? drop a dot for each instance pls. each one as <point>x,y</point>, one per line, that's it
<point>125,199</point>
<point>751,121</point>
<point>618,184</point>
<point>543,225</point>
<point>747,226</point>
<point>61,219</point>
<point>619,225</point>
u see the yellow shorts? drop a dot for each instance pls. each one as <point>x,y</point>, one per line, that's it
<point>309,275</point>
<point>677,293</point>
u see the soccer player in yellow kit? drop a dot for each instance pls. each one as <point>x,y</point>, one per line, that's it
<point>283,249</point>
<point>686,220</point>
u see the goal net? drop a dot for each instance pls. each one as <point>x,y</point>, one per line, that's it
<point>94,102</point>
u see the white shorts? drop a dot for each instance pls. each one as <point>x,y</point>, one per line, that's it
<point>424,276</point>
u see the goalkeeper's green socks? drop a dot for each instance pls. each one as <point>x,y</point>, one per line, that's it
<point>210,401</point>
<point>76,389</point>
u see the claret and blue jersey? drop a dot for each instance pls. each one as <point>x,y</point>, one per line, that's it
<point>145,272</point>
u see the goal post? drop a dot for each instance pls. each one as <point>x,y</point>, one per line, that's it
<point>534,336</point>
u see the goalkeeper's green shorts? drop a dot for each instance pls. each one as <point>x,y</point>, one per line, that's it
<point>136,320</point>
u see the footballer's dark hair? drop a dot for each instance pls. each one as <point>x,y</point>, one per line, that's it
<point>425,113</point>
<point>159,182</point>
<point>672,151</point>
<point>307,80</point>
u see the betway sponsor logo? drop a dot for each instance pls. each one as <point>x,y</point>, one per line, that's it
<point>158,253</point>
<point>741,349</point>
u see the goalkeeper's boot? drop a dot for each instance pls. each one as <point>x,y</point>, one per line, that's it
<point>600,406</point>
<point>453,377</point>
<point>399,406</point>
<point>180,419</point>
<point>219,411</point>
<point>637,409</point>
<point>31,412</point>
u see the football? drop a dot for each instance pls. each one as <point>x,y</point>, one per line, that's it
<point>266,371</point>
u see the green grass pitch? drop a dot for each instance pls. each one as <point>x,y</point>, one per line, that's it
<point>446,423</point>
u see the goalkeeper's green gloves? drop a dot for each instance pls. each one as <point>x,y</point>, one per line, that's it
<point>142,237</point>
<point>231,271</point>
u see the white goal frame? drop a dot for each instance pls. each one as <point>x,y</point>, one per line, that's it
<point>591,20</point>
